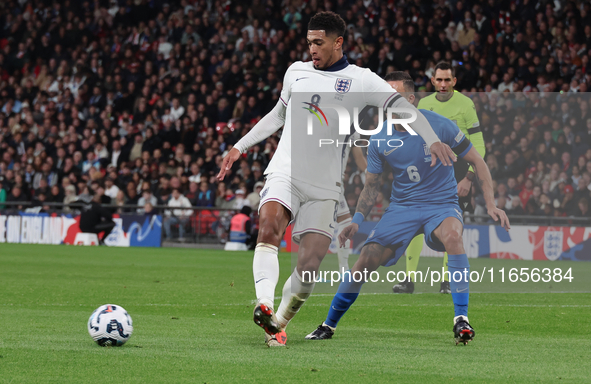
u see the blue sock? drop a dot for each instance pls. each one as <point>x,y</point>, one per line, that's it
<point>344,298</point>
<point>460,287</point>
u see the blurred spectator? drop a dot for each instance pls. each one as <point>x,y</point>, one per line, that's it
<point>119,200</point>
<point>240,200</point>
<point>147,197</point>
<point>149,209</point>
<point>582,209</point>
<point>254,198</point>
<point>111,189</point>
<point>516,207</point>
<point>55,195</point>
<point>16,196</point>
<point>46,175</point>
<point>178,217</point>
<point>205,197</point>
<point>568,204</point>
<point>132,197</point>
<point>193,193</point>
<point>70,196</point>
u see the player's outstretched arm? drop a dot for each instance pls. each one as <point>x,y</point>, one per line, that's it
<point>484,179</point>
<point>366,202</point>
<point>267,126</point>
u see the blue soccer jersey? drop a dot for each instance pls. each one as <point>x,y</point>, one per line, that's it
<point>415,181</point>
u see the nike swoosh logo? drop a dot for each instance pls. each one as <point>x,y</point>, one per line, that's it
<point>302,78</point>
<point>260,280</point>
<point>331,226</point>
<point>332,306</point>
<point>461,290</point>
<point>386,153</point>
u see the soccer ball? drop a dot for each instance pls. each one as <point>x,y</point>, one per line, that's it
<point>110,325</point>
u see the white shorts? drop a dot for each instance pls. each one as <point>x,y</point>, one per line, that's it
<point>312,209</point>
<point>343,208</point>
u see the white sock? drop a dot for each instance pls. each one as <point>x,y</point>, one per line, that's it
<point>295,294</point>
<point>326,325</point>
<point>265,269</point>
<point>343,253</point>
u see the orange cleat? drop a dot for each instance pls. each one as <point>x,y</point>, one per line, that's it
<point>276,340</point>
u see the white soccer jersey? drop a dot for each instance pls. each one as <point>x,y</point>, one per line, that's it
<point>346,151</point>
<point>299,154</point>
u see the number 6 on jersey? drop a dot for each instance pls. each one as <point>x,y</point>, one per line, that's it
<point>413,173</point>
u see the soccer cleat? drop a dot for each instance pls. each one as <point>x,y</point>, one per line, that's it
<point>463,331</point>
<point>323,332</point>
<point>406,286</point>
<point>264,317</point>
<point>445,288</point>
<point>276,340</point>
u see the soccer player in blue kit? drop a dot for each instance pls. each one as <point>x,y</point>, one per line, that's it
<point>424,200</point>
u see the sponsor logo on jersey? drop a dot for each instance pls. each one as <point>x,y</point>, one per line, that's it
<point>427,150</point>
<point>459,137</point>
<point>264,193</point>
<point>343,85</point>
<point>427,159</point>
<point>386,153</point>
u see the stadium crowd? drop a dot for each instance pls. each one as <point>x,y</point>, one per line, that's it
<point>140,100</point>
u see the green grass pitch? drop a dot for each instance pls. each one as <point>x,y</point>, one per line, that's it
<point>192,313</point>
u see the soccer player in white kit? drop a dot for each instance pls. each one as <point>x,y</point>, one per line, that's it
<point>298,192</point>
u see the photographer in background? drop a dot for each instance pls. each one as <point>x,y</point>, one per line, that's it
<point>93,217</point>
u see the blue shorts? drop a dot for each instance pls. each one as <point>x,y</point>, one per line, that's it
<point>400,225</point>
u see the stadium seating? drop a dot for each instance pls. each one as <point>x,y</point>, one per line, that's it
<point>148,96</point>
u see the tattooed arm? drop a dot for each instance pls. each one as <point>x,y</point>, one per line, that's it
<point>483,178</point>
<point>370,191</point>
<point>367,199</point>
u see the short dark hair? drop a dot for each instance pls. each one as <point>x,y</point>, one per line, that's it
<point>444,66</point>
<point>407,82</point>
<point>328,21</point>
